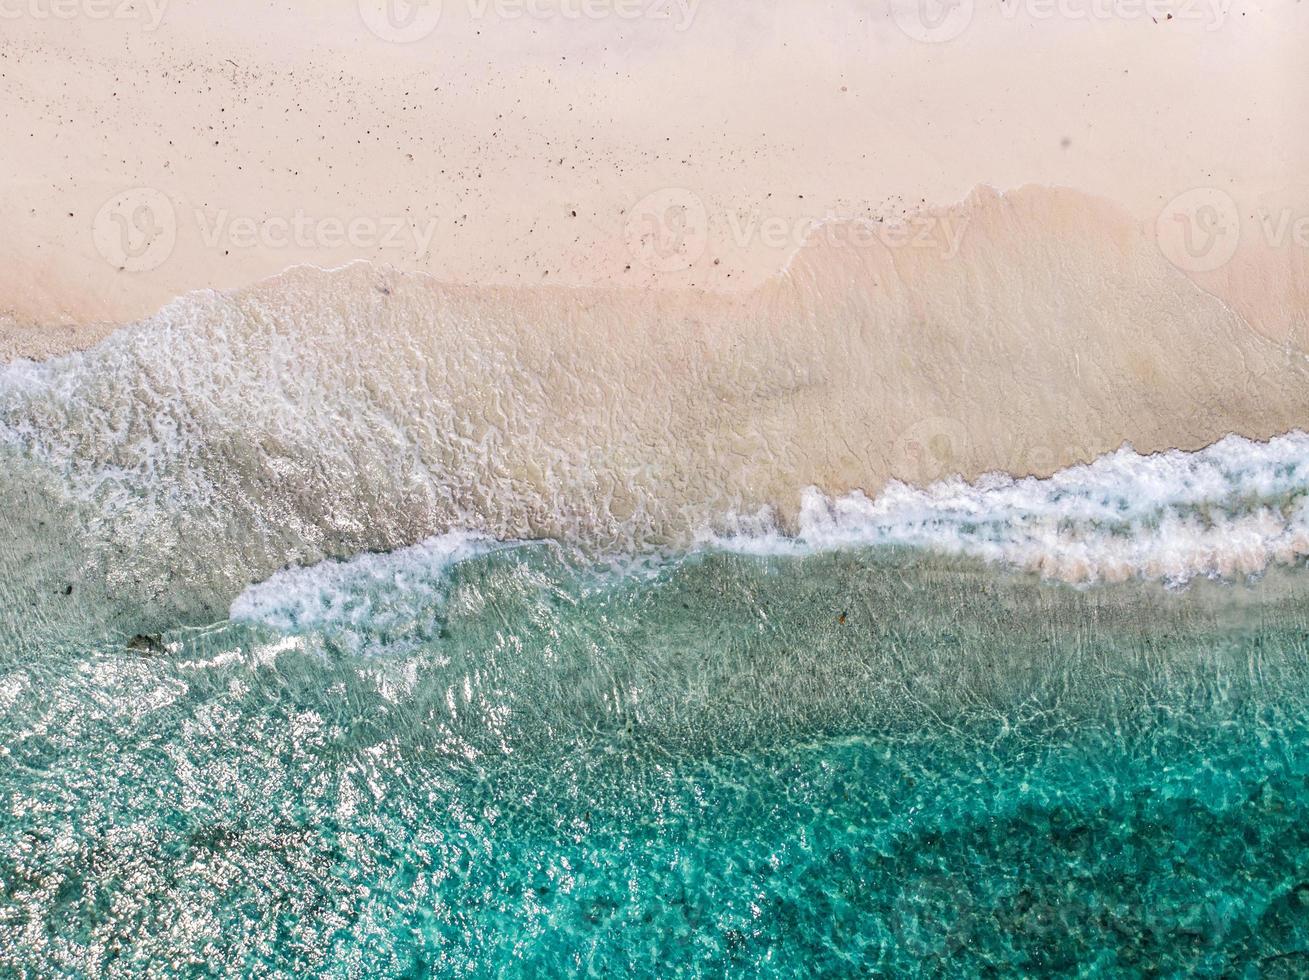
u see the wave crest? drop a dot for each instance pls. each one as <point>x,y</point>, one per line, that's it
<point>1226,511</point>
<point>324,414</point>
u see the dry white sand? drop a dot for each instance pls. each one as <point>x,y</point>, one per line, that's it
<point>671,165</point>
<point>519,142</point>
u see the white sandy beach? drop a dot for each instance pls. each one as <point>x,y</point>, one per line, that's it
<point>1029,236</point>
<point>535,144</point>
<point>651,488</point>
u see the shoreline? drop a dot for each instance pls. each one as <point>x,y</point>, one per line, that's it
<point>366,409</point>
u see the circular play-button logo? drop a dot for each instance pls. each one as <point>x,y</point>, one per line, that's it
<point>400,21</point>
<point>932,21</point>
<point>1199,231</point>
<point>930,450</point>
<point>667,231</point>
<point>136,229</point>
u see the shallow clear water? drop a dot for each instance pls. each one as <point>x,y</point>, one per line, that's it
<point>860,762</point>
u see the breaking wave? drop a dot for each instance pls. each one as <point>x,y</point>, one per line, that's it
<point>323,415</point>
<point>1229,510</point>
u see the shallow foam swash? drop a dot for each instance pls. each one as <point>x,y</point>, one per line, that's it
<point>1228,511</point>
<point>358,591</point>
<point>323,414</point>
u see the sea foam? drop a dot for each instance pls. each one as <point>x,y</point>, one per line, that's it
<point>1229,510</point>
<point>328,414</point>
<point>357,592</point>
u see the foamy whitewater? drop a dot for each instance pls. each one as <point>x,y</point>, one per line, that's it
<point>1226,512</point>
<point>160,487</point>
<point>357,591</point>
<point>1229,510</point>
<point>430,632</point>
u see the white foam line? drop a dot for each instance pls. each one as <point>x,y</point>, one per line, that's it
<point>1231,509</point>
<point>1226,511</point>
<point>349,593</point>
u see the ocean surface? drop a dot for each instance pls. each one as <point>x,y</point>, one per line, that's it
<point>466,761</point>
<point>1009,727</point>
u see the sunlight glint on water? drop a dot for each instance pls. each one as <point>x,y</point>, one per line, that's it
<point>849,762</point>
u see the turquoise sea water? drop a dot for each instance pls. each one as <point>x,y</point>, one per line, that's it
<point>863,762</point>
<point>920,733</point>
